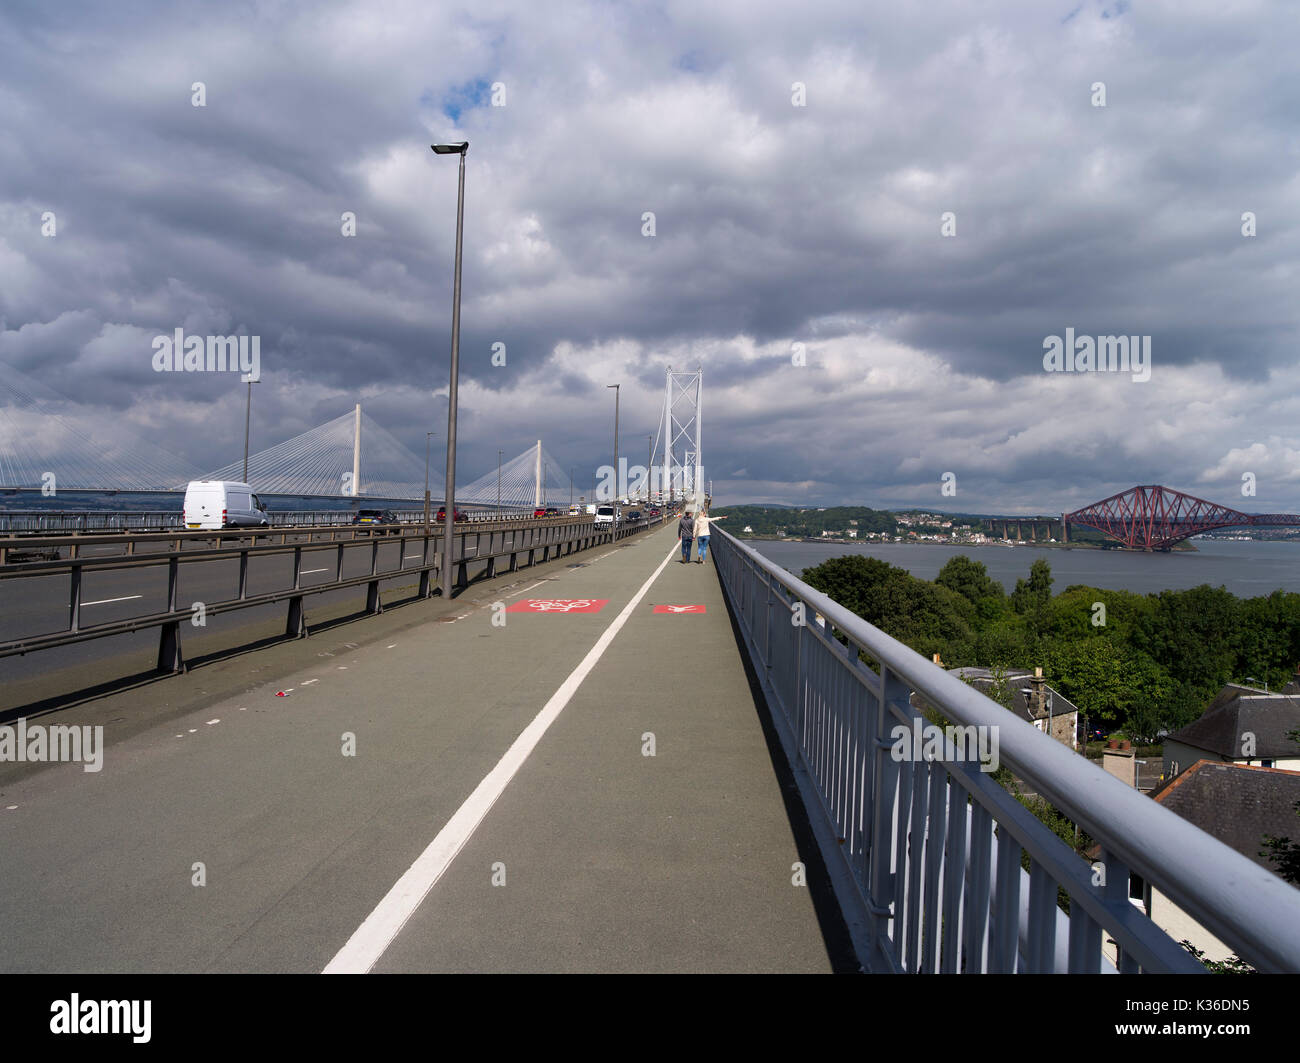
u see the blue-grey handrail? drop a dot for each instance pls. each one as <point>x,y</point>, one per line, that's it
<point>1246,906</point>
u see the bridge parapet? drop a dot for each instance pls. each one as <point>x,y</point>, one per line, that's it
<point>925,847</point>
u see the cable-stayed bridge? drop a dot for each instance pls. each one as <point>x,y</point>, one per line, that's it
<point>40,438</point>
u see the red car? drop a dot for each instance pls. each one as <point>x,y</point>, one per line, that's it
<point>459,516</point>
<point>539,512</point>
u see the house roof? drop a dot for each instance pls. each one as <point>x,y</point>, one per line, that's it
<point>1236,803</point>
<point>1239,709</point>
<point>1021,701</point>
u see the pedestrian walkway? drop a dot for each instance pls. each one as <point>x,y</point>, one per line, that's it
<point>645,827</point>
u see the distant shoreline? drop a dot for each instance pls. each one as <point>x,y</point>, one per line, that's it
<point>1183,546</point>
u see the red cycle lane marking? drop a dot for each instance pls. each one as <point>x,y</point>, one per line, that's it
<point>559,605</point>
<point>679,608</point>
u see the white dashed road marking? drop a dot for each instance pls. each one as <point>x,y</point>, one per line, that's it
<point>106,601</point>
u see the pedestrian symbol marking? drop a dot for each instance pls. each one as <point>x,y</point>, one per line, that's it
<point>679,608</point>
<point>559,605</point>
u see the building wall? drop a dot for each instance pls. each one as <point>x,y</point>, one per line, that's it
<point>1179,925</point>
<point>1185,756</point>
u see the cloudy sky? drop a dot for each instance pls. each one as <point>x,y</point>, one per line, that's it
<point>919,194</point>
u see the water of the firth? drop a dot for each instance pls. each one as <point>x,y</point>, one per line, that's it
<point>1247,569</point>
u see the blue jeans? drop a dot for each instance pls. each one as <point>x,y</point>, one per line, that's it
<point>703,540</point>
<point>686,549</point>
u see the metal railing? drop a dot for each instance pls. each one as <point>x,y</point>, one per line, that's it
<point>537,542</point>
<point>926,854</point>
<point>47,522</point>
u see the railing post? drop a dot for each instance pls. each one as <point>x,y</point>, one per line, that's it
<point>424,571</point>
<point>296,625</point>
<point>75,599</point>
<point>882,784</point>
<point>170,658</point>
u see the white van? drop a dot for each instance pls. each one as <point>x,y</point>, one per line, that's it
<point>605,515</point>
<point>211,505</point>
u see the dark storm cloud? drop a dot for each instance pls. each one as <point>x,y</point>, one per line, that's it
<point>775,224</point>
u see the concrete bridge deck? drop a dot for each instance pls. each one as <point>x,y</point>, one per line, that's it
<point>611,860</point>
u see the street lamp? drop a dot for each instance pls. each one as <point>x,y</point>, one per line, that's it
<point>248,413</point>
<point>499,453</point>
<point>448,546</point>
<point>616,483</point>
<point>428,437</point>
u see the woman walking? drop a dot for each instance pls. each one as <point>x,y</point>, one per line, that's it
<point>702,522</point>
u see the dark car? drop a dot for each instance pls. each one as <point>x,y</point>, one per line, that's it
<point>459,515</point>
<point>634,515</point>
<point>375,516</point>
<point>552,511</point>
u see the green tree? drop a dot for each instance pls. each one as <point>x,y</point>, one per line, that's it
<point>1106,680</point>
<point>928,618</point>
<point>1032,598</point>
<point>1193,634</point>
<point>969,578</point>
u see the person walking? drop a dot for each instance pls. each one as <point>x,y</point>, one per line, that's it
<point>686,532</point>
<point>702,522</point>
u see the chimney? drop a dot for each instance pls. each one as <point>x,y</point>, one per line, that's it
<point>1039,686</point>
<point>1293,687</point>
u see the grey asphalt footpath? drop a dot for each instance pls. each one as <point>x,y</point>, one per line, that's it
<point>609,854</point>
<point>242,836</point>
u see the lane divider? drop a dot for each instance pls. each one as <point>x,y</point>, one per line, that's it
<point>371,939</point>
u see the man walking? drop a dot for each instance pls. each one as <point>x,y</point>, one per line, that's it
<point>686,532</point>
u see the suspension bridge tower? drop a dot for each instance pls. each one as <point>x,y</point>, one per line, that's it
<point>683,463</point>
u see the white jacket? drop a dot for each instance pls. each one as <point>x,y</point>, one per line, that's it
<point>702,525</point>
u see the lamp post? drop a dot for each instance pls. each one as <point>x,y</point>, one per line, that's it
<point>570,486</point>
<point>428,438</point>
<point>499,453</point>
<point>248,414</point>
<point>617,485</point>
<point>449,544</point>
<point>649,457</point>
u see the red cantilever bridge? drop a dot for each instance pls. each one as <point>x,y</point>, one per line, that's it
<point>1155,517</point>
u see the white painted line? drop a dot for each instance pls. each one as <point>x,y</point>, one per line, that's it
<point>390,645</point>
<point>10,808</point>
<point>309,571</point>
<point>211,722</point>
<point>527,589</point>
<point>309,682</point>
<point>105,601</point>
<point>371,939</point>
